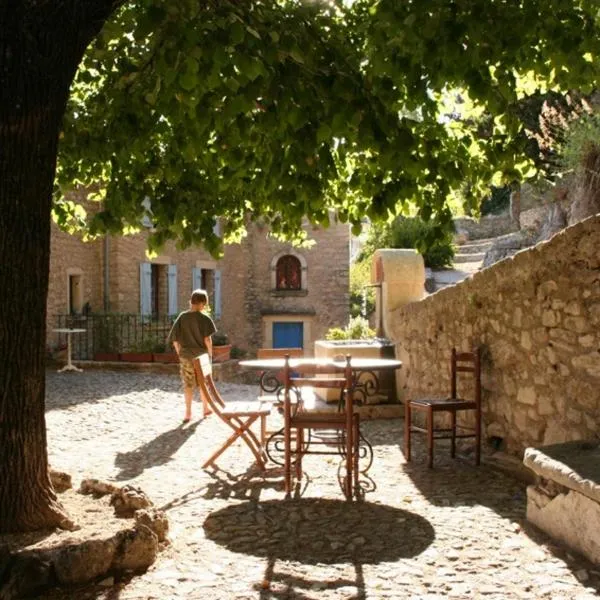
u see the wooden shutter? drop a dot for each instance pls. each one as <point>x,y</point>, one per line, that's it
<point>146,289</point>
<point>172,289</point>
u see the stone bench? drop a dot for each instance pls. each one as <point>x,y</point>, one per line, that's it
<point>565,499</point>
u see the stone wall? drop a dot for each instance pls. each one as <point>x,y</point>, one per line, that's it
<point>537,317</point>
<point>468,228</point>
<point>249,302</point>
<point>69,255</point>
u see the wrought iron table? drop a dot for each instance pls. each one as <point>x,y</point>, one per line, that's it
<point>366,384</point>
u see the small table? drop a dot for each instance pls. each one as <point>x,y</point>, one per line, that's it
<point>358,365</point>
<point>69,366</point>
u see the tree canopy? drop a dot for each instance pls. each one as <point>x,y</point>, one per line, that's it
<point>286,109</point>
<point>277,109</point>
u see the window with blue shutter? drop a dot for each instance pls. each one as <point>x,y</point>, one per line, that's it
<point>217,299</point>
<point>146,289</point>
<point>172,289</point>
<point>196,278</point>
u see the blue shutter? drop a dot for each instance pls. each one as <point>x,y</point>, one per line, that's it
<point>172,289</point>
<point>217,307</point>
<point>196,278</point>
<point>146,289</point>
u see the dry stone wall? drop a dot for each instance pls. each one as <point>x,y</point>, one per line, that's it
<point>537,317</point>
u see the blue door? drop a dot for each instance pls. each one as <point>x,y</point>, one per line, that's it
<point>288,335</point>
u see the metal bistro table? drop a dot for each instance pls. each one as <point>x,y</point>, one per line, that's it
<point>69,366</point>
<point>365,382</point>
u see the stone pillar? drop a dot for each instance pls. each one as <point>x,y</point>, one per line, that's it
<point>400,275</point>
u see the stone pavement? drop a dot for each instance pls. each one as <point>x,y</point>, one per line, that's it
<point>456,531</point>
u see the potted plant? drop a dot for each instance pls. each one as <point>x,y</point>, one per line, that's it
<point>221,347</point>
<point>160,353</point>
<point>140,351</point>
<point>105,338</point>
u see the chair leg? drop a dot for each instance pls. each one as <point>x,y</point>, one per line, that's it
<point>407,427</point>
<point>453,438</point>
<point>430,437</point>
<point>298,454</point>
<point>349,461</point>
<point>356,435</point>
<point>287,462</point>
<point>477,438</point>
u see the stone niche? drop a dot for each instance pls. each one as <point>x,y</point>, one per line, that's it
<point>565,499</point>
<point>373,388</point>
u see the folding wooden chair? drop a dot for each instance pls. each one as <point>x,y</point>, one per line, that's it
<point>240,416</point>
<point>300,424</point>
<point>460,362</point>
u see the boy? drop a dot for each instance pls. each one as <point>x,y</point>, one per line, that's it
<point>191,335</point>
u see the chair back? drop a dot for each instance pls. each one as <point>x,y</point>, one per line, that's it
<point>318,374</point>
<point>205,381</point>
<point>466,362</point>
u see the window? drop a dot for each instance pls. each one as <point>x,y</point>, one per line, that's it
<point>158,289</point>
<point>209,278</point>
<point>288,273</point>
<point>75,295</point>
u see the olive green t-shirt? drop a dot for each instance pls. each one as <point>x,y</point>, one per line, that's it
<point>190,329</point>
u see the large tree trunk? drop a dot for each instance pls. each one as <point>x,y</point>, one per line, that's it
<point>41,45</point>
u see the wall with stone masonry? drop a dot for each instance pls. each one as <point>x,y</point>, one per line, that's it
<point>247,276</point>
<point>70,255</point>
<point>247,294</point>
<point>537,317</point>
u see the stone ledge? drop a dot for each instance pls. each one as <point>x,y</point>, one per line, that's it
<point>574,465</point>
<point>565,500</point>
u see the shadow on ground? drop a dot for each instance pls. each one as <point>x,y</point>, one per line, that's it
<point>156,452</point>
<point>316,530</point>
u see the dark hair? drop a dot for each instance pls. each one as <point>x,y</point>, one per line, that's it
<point>199,297</point>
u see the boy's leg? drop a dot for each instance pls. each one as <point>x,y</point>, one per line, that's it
<point>188,394</point>
<point>186,370</point>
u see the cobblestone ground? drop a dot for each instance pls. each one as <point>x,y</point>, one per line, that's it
<point>456,531</point>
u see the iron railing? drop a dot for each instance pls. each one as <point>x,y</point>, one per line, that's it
<point>114,333</point>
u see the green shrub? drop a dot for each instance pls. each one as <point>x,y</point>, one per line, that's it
<point>360,276</point>
<point>498,201</point>
<point>580,140</point>
<point>357,329</point>
<point>432,240</point>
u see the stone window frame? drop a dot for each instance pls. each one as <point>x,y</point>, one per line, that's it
<point>79,301</point>
<point>303,291</point>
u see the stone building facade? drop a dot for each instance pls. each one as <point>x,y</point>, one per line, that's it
<point>249,303</point>
<point>537,318</point>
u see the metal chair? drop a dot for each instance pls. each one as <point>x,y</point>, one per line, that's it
<point>341,429</point>
<point>240,416</point>
<point>460,362</point>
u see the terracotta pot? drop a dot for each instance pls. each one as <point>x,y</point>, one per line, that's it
<point>106,356</point>
<point>221,353</point>
<point>165,357</point>
<point>136,356</point>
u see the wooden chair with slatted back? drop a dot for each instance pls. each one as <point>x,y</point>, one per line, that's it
<point>460,362</point>
<point>300,424</point>
<point>239,416</point>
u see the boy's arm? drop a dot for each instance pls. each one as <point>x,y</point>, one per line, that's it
<point>208,344</point>
<point>177,346</point>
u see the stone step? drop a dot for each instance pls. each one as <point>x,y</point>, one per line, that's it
<point>473,247</point>
<point>467,258</point>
